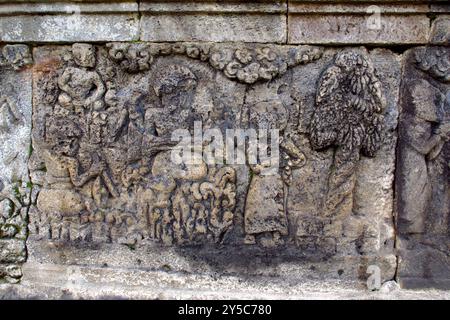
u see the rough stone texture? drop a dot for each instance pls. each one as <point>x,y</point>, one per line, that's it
<point>423,178</point>
<point>358,183</point>
<point>440,30</point>
<point>103,118</point>
<point>72,282</point>
<point>15,147</point>
<point>250,22</point>
<point>69,22</point>
<point>352,24</point>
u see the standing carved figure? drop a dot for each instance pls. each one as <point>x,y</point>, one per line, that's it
<point>426,135</point>
<point>265,207</point>
<point>81,87</point>
<point>348,117</point>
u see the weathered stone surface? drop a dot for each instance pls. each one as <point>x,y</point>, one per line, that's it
<point>51,281</point>
<point>68,22</point>
<point>10,273</point>
<point>102,134</point>
<point>423,169</point>
<point>441,31</point>
<point>221,22</point>
<point>357,24</point>
<point>340,176</point>
<point>13,251</point>
<point>15,147</point>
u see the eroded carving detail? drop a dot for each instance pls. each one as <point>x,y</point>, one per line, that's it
<point>14,144</point>
<point>104,117</point>
<point>9,114</point>
<point>15,56</point>
<point>348,116</point>
<point>247,65</point>
<point>423,180</point>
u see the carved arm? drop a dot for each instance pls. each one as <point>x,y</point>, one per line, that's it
<point>78,179</point>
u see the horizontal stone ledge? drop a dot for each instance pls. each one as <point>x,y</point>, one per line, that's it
<point>295,22</point>
<point>68,8</point>
<point>253,27</point>
<point>367,1</point>
<point>69,28</point>
<point>214,7</point>
<point>358,29</point>
<point>252,21</point>
<point>365,9</point>
<point>440,8</point>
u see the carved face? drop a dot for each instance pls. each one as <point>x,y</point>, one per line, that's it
<point>84,55</point>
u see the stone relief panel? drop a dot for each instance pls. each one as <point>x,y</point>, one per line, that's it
<point>102,165</point>
<point>423,178</point>
<point>15,144</point>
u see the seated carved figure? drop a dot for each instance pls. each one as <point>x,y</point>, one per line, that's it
<point>59,196</point>
<point>175,87</point>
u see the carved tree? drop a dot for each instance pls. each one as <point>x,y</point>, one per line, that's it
<point>348,116</point>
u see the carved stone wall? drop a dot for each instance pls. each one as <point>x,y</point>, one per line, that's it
<point>15,137</point>
<point>89,188</point>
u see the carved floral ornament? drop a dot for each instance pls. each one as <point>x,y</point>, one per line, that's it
<point>247,64</point>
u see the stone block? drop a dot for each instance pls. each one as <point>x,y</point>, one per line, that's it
<point>63,22</point>
<point>248,22</point>
<point>358,24</point>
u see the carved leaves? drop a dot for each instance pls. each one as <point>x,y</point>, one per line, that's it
<point>349,104</point>
<point>246,64</point>
<point>132,58</point>
<point>348,117</point>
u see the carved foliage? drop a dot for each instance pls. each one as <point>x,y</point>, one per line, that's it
<point>247,64</point>
<point>348,117</point>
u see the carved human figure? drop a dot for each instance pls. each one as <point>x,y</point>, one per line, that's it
<point>175,86</point>
<point>81,87</point>
<point>59,197</point>
<point>425,134</point>
<point>265,208</point>
<point>82,94</point>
